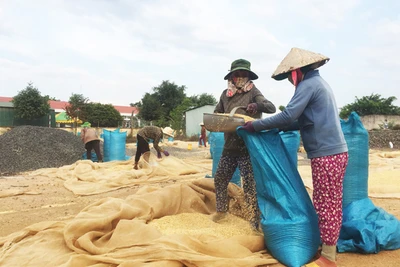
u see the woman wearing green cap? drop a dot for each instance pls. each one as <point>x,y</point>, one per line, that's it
<point>91,140</point>
<point>241,91</point>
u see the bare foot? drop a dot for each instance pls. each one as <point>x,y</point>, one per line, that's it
<point>218,216</point>
<point>321,262</point>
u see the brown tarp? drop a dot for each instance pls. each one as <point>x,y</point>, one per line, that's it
<point>116,232</point>
<point>85,177</point>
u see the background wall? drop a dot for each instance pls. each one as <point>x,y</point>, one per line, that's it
<point>371,122</point>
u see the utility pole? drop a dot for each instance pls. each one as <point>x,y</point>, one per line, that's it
<point>132,115</point>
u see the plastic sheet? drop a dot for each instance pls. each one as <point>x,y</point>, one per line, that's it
<point>93,155</point>
<point>288,218</point>
<point>216,141</point>
<point>355,183</point>
<point>368,229</point>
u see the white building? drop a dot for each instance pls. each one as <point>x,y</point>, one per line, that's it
<point>194,117</point>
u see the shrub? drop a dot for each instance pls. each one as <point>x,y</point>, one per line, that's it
<point>396,127</point>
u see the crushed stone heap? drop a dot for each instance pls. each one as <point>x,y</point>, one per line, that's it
<point>27,148</point>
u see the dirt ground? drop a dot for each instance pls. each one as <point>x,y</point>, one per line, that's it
<point>51,201</point>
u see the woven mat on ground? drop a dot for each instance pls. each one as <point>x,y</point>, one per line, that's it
<point>87,178</point>
<point>120,232</point>
<point>383,177</point>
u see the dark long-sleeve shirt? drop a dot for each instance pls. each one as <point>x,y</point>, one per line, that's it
<point>152,132</point>
<point>234,145</point>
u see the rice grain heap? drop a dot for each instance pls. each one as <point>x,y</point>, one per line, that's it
<point>199,224</point>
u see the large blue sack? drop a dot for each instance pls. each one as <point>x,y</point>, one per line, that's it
<point>365,228</point>
<point>288,217</point>
<point>368,229</point>
<point>216,141</point>
<point>355,182</point>
<point>106,135</point>
<point>291,139</point>
<point>114,145</point>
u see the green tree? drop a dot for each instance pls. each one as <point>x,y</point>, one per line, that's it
<point>30,104</point>
<point>167,104</point>
<point>170,96</point>
<point>76,108</point>
<point>102,115</point>
<point>137,104</point>
<point>371,105</point>
<point>202,100</point>
<point>177,118</point>
<point>157,106</point>
<point>151,108</point>
<point>52,98</point>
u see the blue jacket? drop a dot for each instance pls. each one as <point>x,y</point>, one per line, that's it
<point>313,105</point>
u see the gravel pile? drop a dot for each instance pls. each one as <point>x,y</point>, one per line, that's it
<point>380,139</point>
<point>28,148</point>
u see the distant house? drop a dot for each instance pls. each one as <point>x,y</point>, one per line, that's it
<point>127,112</point>
<point>59,106</point>
<point>193,118</point>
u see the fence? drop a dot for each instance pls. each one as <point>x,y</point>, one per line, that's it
<point>8,119</point>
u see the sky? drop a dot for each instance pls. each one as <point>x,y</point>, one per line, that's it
<point>116,51</point>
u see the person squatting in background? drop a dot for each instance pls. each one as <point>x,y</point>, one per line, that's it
<point>91,140</point>
<point>203,136</point>
<point>241,91</point>
<point>313,111</point>
<point>143,138</point>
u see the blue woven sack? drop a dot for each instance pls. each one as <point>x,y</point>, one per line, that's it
<point>114,145</point>
<point>368,229</point>
<point>291,139</point>
<point>106,145</point>
<point>355,183</point>
<point>216,141</point>
<point>288,217</point>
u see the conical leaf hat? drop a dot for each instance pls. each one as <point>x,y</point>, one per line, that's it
<point>298,58</point>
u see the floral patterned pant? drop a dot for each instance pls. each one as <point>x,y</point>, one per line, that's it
<point>327,175</point>
<point>226,167</point>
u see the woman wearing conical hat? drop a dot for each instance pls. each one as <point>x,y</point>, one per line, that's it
<point>313,111</point>
<point>144,136</point>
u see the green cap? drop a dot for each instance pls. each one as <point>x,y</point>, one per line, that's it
<point>86,124</point>
<point>241,64</point>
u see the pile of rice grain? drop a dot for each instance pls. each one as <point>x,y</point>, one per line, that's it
<point>27,148</point>
<point>200,224</point>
